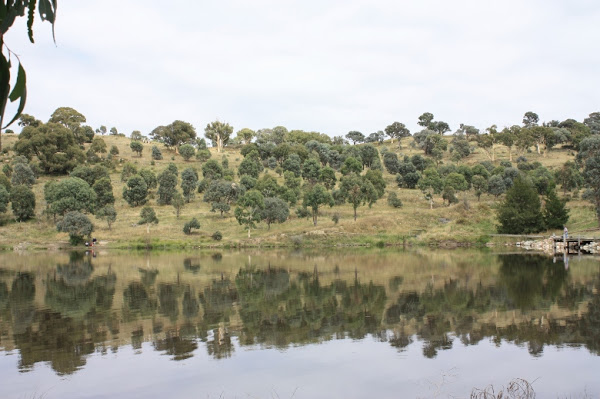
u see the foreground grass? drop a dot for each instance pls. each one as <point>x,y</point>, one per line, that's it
<point>469,222</point>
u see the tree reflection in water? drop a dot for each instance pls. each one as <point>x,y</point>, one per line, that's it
<point>274,307</point>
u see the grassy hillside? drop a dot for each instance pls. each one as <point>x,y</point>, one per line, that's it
<point>414,223</point>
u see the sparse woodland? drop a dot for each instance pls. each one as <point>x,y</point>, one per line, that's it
<point>63,181</point>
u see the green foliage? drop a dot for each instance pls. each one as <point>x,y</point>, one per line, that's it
<point>77,225</point>
<point>174,134</point>
<point>150,178</point>
<point>156,154</point>
<point>70,194</point>
<point>457,182</point>
<point>10,11</point>
<point>449,195</point>
<point>54,145</point>
<point>7,170</point>
<point>212,170</point>
<point>4,199</point>
<point>569,177</point>
<point>315,197</point>
<point>136,147</point>
<point>431,181</point>
<point>248,182</point>
<point>418,161</point>
<point>335,218</point>
<point>203,155</point>
<point>520,212</point>
<point>104,192</point>
<point>245,135</point>
<point>357,191</point>
<point>136,191</point>
<point>217,236</point>
<point>394,201</point>
<point>397,130</point>
<point>98,146</point>
<point>107,213</point>
<point>408,179</point>
<point>22,202</point>
<point>460,148</point>
<point>22,174</point>
<point>542,179</point>
<point>275,210</point>
<point>192,224</point>
<point>90,174</point>
<point>355,137</point>
<point>129,170</point>
<point>187,151</point>
<point>114,150</point>
<point>480,185</point>
<point>167,186</point>
<point>189,183</point>
<point>178,203</point>
<point>250,166</point>
<point>219,133</point>
<point>148,216</point>
<point>293,164</point>
<point>221,194</point>
<point>172,168</point>
<point>327,177</point>
<point>369,155</point>
<point>556,215</point>
<point>136,135</point>
<point>376,178</point>
<point>351,165</point>
<point>496,186</point>
<point>72,120</point>
<point>391,163</point>
<point>249,209</point>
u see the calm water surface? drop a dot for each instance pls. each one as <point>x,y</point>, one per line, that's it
<point>382,324</point>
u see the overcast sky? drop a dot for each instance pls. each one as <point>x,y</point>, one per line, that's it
<point>327,66</point>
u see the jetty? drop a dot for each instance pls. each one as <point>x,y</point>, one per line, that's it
<point>572,245</point>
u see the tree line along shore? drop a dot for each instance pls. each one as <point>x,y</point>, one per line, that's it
<point>63,183</point>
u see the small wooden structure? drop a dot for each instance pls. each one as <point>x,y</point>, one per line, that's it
<point>572,245</point>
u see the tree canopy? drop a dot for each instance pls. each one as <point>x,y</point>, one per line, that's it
<point>174,134</point>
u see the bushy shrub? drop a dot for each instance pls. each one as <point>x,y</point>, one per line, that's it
<point>192,224</point>
<point>394,201</point>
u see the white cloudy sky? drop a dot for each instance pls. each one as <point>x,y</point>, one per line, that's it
<point>328,66</point>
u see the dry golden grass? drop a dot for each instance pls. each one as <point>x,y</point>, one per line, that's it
<point>381,223</point>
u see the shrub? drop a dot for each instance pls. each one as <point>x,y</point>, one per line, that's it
<point>136,191</point>
<point>136,147</point>
<point>335,218</point>
<point>23,203</point>
<point>156,154</point>
<point>217,236</point>
<point>77,225</point>
<point>22,174</point>
<point>187,151</point>
<point>394,201</point>
<point>109,214</point>
<point>192,224</point>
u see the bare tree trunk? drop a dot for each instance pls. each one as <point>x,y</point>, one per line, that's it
<point>355,214</point>
<point>248,231</point>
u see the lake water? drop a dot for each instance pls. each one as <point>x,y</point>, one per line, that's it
<point>351,324</point>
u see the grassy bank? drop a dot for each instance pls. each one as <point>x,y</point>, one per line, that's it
<point>470,222</point>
